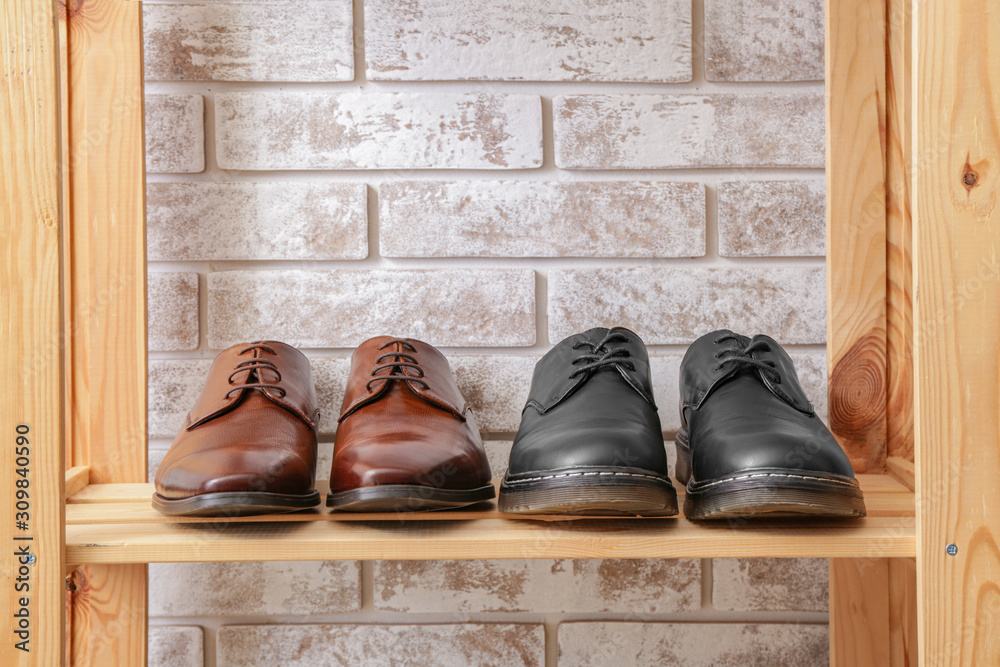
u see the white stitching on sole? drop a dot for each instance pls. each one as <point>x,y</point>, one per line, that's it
<point>703,485</point>
<point>584,474</point>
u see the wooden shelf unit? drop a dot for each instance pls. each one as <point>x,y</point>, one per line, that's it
<point>913,174</point>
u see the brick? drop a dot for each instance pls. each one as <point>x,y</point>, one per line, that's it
<point>449,307</point>
<point>496,386</point>
<point>175,646</point>
<point>665,371</point>
<point>175,134</point>
<point>378,131</point>
<point>772,218</point>
<point>692,644</point>
<point>278,41</point>
<point>764,40</point>
<point>639,586</point>
<point>324,460</point>
<point>172,300</point>
<point>174,385</point>
<point>515,40</point>
<point>676,305</point>
<point>673,131</point>
<point>253,588</point>
<point>154,457</point>
<point>811,369</point>
<point>458,645</point>
<point>498,454</point>
<point>541,219</point>
<point>770,584</point>
<point>330,378</point>
<point>286,221</point>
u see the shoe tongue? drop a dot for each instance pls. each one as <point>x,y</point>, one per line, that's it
<point>551,383</point>
<point>299,397</point>
<point>790,390</point>
<point>440,389</point>
<point>701,372</point>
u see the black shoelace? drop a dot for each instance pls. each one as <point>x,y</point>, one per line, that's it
<point>743,359</point>
<point>400,360</point>
<point>601,355</point>
<point>255,369</point>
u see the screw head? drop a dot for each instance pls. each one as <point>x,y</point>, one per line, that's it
<point>30,559</point>
<point>951,549</point>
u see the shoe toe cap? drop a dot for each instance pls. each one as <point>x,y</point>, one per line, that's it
<point>235,469</point>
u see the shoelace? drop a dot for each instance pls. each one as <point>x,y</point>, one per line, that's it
<point>743,359</point>
<point>254,368</point>
<point>610,356</point>
<point>399,361</point>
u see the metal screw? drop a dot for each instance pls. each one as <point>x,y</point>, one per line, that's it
<point>31,559</point>
<point>951,549</point>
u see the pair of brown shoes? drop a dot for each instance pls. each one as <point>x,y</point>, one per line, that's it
<point>406,438</point>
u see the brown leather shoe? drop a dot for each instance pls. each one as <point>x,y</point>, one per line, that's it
<point>406,439</point>
<point>249,443</point>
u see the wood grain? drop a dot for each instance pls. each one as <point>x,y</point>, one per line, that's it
<point>106,288</point>
<point>899,231</point>
<point>903,612</point>
<point>956,222</point>
<point>903,470</point>
<point>109,615</point>
<point>31,317</point>
<point>77,479</point>
<point>856,228</point>
<point>859,612</point>
<point>493,538</point>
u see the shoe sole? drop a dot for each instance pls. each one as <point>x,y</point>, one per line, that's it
<point>406,498</point>
<point>235,503</point>
<point>592,492</point>
<point>767,492</point>
<point>774,493</point>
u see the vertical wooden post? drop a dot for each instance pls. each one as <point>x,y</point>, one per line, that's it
<point>859,612</point>
<point>31,445</point>
<point>869,310</point>
<point>107,311</point>
<point>899,231</point>
<point>956,222</point>
<point>856,232</point>
<point>856,300</point>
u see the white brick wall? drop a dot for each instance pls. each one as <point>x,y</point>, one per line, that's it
<point>489,177</point>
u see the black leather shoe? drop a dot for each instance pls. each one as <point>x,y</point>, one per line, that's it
<point>750,442</point>
<point>590,439</point>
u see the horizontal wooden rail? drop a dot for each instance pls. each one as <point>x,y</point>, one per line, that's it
<point>114,523</point>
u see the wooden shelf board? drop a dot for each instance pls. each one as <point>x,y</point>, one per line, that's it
<point>130,504</point>
<point>880,537</point>
<point>114,523</point>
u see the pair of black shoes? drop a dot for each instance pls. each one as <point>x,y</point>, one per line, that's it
<point>750,442</point>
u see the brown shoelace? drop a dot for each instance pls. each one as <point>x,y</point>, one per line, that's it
<point>254,368</point>
<point>400,361</point>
